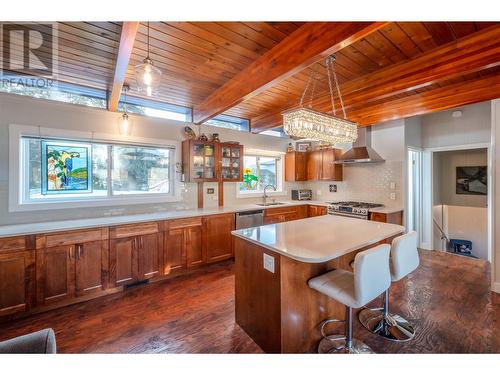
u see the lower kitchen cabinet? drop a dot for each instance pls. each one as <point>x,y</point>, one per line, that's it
<point>317,211</point>
<point>70,264</point>
<point>183,246</point>
<point>391,217</point>
<point>217,237</point>
<point>195,250</point>
<point>17,280</point>
<point>136,253</point>
<point>282,214</point>
<point>55,273</point>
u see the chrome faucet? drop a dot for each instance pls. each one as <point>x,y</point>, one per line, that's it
<point>264,198</point>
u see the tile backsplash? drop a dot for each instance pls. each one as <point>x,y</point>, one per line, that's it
<point>365,182</point>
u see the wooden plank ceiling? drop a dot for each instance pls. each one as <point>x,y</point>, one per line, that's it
<point>398,70</point>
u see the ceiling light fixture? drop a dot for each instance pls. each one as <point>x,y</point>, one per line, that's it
<point>308,123</point>
<point>147,75</point>
<point>124,127</point>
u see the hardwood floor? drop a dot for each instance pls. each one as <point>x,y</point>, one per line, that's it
<point>447,298</point>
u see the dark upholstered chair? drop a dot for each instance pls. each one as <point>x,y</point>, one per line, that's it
<point>41,342</point>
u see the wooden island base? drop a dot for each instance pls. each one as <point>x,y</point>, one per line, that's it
<point>278,310</point>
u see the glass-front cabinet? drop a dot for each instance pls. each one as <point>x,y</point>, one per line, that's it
<point>212,161</point>
<point>231,160</point>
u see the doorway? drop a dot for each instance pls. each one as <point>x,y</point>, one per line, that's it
<point>458,212</point>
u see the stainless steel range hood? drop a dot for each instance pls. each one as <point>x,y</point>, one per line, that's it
<point>361,151</point>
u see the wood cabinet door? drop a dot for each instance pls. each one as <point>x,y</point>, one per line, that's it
<point>317,211</point>
<point>195,251</point>
<point>174,254</point>
<point>314,162</point>
<point>149,256</point>
<point>375,216</point>
<point>302,212</point>
<point>300,166</point>
<point>217,237</point>
<point>274,218</point>
<point>123,260</point>
<point>55,269</point>
<point>91,266</point>
<point>329,170</point>
<point>16,281</point>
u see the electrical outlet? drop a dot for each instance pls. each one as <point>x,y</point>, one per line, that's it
<point>210,190</point>
<point>269,263</point>
<point>393,186</point>
<point>392,196</point>
<point>333,188</point>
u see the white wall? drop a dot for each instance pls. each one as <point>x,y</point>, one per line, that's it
<point>38,112</point>
<point>445,176</point>
<point>442,129</point>
<point>495,189</point>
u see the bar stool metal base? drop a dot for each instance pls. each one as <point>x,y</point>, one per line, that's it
<point>391,327</point>
<point>337,344</point>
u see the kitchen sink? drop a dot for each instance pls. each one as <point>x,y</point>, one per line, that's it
<point>270,204</point>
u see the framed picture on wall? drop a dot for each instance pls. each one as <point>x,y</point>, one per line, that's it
<point>472,180</point>
<point>303,146</point>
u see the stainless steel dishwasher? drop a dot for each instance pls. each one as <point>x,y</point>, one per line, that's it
<point>249,219</point>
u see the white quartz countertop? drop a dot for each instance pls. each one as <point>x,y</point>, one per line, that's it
<point>386,210</point>
<point>319,239</point>
<point>54,226</point>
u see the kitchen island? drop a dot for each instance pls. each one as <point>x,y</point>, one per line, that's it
<point>274,304</point>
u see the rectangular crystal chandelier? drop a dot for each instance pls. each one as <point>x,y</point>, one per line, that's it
<point>311,124</point>
<point>308,123</point>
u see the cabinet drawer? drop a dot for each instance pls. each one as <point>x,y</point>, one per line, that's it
<point>130,230</point>
<point>71,237</point>
<point>281,211</point>
<point>184,223</point>
<point>375,216</point>
<point>11,244</point>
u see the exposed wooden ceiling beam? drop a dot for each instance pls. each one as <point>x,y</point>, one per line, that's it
<point>470,54</point>
<point>439,99</point>
<point>451,96</point>
<point>127,39</point>
<point>306,45</point>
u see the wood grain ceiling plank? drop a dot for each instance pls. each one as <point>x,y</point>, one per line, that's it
<point>461,29</point>
<point>399,38</point>
<point>312,42</point>
<point>127,39</point>
<point>440,31</point>
<point>245,31</point>
<point>419,34</point>
<point>267,30</point>
<point>380,42</point>
<point>192,43</point>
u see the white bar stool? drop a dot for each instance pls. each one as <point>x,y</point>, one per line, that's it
<point>371,278</point>
<point>404,260</point>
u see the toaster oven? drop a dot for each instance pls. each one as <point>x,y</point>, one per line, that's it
<point>302,195</point>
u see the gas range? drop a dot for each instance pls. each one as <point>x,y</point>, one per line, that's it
<point>360,210</point>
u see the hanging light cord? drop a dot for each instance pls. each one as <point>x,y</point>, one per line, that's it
<point>330,87</point>
<point>338,88</point>
<point>148,42</point>
<point>305,90</point>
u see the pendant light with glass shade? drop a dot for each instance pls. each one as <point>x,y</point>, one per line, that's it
<point>315,125</point>
<point>124,126</point>
<point>147,75</point>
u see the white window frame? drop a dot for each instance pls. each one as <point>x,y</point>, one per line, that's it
<point>280,175</point>
<point>17,175</point>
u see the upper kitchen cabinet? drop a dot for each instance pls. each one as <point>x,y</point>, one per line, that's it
<point>231,162</point>
<point>200,160</point>
<point>321,165</point>
<point>212,161</point>
<point>296,166</point>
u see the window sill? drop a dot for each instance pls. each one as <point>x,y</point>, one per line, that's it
<point>92,202</point>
